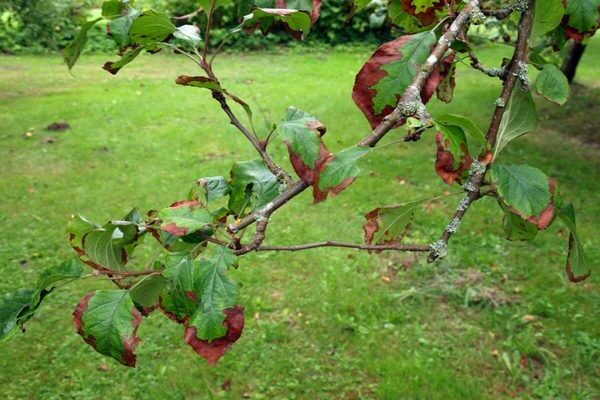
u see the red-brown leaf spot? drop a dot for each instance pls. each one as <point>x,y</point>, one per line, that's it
<point>175,230</point>
<point>214,350</point>
<point>78,314</point>
<point>426,16</point>
<point>572,277</point>
<point>307,174</point>
<point>371,226</point>
<point>545,218</point>
<point>449,169</point>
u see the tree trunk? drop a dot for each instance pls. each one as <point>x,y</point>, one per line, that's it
<point>569,66</point>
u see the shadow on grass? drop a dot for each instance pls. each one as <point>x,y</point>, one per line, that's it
<point>578,117</point>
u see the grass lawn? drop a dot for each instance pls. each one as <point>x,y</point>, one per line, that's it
<point>493,320</point>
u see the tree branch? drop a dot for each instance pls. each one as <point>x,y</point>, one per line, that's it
<point>479,168</point>
<point>279,172</point>
<point>412,93</point>
<point>357,246</point>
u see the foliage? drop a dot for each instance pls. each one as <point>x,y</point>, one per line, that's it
<point>189,278</point>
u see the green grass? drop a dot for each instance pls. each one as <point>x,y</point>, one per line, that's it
<point>326,323</point>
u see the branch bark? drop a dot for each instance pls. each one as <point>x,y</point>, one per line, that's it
<point>476,179</point>
<point>412,93</point>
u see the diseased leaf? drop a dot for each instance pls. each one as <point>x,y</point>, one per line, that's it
<point>180,298</point>
<point>523,188</point>
<point>217,293</point>
<point>199,81</point>
<point>146,292</point>
<point>389,224</point>
<point>548,15</point>
<point>252,186</point>
<point>423,10</point>
<point>553,84</point>
<point>213,350</point>
<point>189,34</point>
<point>519,118</point>
<point>115,66</point>
<point>577,268</point>
<point>390,70</point>
<point>516,228</point>
<point>407,22</point>
<point>583,15</point>
<point>185,218</point>
<point>400,73</point>
<point>296,23</point>
<point>445,90</point>
<point>338,173</point>
<point>107,320</point>
<point>452,157</point>
<point>151,27</point>
<point>302,133</point>
<point>75,47</point>
<point>469,127</point>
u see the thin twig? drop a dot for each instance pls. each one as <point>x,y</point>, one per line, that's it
<point>357,246</point>
<point>189,16</point>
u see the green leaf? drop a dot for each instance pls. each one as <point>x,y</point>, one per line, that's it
<point>389,224</point>
<point>116,8</point>
<point>64,271</point>
<point>103,248</point>
<point>12,305</point>
<point>184,218</point>
<point>297,23</point>
<point>180,298</point>
<point>468,126</point>
<point>516,228</point>
<point>212,188</point>
<point>577,268</point>
<point>189,34</point>
<point>108,320</point>
<point>119,28</point>
<point>519,118</point>
<point>115,66</point>
<point>146,291</point>
<point>400,73</point>
<point>548,15</point>
<point>211,5</point>
<point>252,186</point>
<point>522,187</point>
<point>302,133</point>
<point>339,173</point>
<point>553,84</point>
<point>74,49</point>
<point>583,14</point>
<point>151,27</point>
<point>217,293</point>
